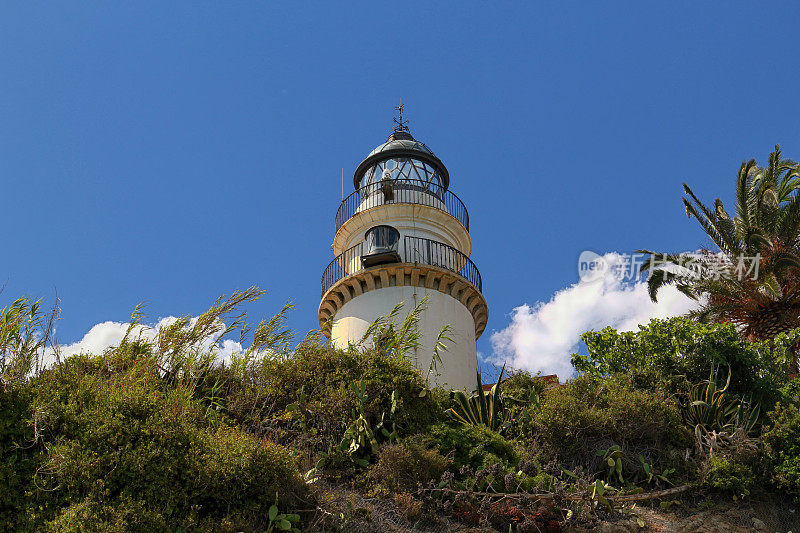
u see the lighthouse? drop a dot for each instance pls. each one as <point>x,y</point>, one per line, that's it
<point>403,236</point>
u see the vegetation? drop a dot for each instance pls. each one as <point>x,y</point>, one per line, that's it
<point>161,433</point>
<point>782,440</point>
<point>158,433</point>
<point>671,355</point>
<point>751,280</point>
<point>480,409</point>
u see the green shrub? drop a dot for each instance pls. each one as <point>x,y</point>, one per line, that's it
<point>521,384</point>
<point>121,516</point>
<point>241,472</point>
<point>20,455</point>
<point>790,392</point>
<point>721,474</point>
<point>522,394</point>
<point>671,353</point>
<point>127,441</point>
<point>782,445</point>
<point>322,375</point>
<point>401,467</point>
<point>475,446</point>
<point>585,416</point>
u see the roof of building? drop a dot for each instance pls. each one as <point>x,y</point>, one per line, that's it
<point>401,140</point>
<point>401,144</point>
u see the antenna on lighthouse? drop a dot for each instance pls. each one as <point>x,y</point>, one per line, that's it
<point>342,183</point>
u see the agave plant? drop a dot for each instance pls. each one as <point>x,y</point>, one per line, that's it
<point>480,409</point>
<point>708,406</point>
<point>717,420</point>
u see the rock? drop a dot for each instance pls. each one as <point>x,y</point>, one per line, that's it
<point>758,525</point>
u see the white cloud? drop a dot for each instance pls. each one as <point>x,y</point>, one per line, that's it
<point>543,336</point>
<point>107,334</point>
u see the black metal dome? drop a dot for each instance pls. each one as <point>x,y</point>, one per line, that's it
<point>406,158</point>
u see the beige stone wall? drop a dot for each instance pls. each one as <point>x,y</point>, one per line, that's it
<point>408,219</point>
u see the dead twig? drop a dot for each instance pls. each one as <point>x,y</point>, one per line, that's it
<point>570,497</point>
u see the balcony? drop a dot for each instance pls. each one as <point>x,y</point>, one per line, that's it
<point>416,192</point>
<point>415,250</point>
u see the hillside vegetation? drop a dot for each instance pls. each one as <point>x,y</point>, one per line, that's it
<point>160,434</point>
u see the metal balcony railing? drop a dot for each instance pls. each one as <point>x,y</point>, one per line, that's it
<point>402,192</point>
<point>416,250</point>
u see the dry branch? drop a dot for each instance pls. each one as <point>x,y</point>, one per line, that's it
<point>570,497</point>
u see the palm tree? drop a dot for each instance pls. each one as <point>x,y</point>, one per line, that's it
<point>753,279</point>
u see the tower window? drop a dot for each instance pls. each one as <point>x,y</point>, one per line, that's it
<point>382,244</point>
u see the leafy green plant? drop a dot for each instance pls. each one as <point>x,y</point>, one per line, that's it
<point>613,458</point>
<point>281,521</point>
<point>387,426</point>
<point>652,475</point>
<point>668,354</point>
<point>724,475</point>
<point>782,446</point>
<point>480,409</point>
<point>598,492</point>
<point>475,446</point>
<point>360,439</point>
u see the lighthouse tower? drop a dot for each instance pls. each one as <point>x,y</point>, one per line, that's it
<point>400,237</point>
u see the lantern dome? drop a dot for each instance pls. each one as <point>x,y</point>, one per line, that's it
<point>403,159</point>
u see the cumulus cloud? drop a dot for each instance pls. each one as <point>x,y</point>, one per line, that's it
<point>543,336</point>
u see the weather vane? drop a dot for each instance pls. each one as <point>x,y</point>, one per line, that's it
<point>401,124</point>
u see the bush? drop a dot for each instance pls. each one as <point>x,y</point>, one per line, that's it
<point>669,354</point>
<point>520,385</point>
<point>241,472</point>
<point>321,376</point>
<point>121,516</point>
<point>584,416</point>
<point>721,474</point>
<point>123,442</point>
<point>475,446</point>
<point>782,445</point>
<point>402,467</point>
<point>790,392</point>
<point>20,455</point>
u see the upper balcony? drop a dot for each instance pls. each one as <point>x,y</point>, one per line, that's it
<point>408,191</point>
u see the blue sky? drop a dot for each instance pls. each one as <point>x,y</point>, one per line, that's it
<point>172,152</point>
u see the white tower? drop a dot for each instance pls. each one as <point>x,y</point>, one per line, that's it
<point>400,237</point>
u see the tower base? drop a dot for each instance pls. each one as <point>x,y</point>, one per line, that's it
<point>458,364</point>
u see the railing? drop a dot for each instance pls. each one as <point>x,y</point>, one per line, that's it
<point>415,250</point>
<point>402,192</point>
<point>346,263</point>
<point>438,254</point>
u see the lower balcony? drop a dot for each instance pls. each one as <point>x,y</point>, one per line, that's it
<point>413,261</point>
